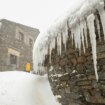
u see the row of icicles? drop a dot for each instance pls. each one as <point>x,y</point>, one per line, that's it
<point>79,38</point>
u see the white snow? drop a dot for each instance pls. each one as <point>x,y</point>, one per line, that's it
<point>74,20</point>
<point>51,68</point>
<point>74,71</point>
<point>20,88</point>
<point>59,75</point>
<point>58,96</point>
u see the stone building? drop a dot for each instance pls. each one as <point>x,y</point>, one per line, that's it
<point>71,70</point>
<point>16,44</point>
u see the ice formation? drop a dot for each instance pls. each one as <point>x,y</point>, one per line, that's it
<point>77,21</point>
<point>90,21</point>
<point>102,15</point>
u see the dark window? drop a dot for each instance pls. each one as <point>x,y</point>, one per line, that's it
<point>30,42</point>
<point>13,59</point>
<point>21,36</point>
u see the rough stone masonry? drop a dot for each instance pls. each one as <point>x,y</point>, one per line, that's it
<point>72,76</point>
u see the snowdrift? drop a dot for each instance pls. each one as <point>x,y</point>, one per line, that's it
<point>20,88</point>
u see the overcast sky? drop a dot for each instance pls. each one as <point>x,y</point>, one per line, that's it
<point>34,13</point>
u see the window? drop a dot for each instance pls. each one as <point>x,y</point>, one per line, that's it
<point>21,36</point>
<point>13,59</point>
<point>30,42</point>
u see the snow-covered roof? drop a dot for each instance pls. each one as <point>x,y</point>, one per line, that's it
<point>76,20</point>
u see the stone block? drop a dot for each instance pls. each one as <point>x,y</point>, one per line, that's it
<point>74,61</point>
<point>80,68</point>
<point>91,77</point>
<point>80,60</point>
<point>101,55</point>
<point>71,51</point>
<point>101,48</point>
<point>83,83</point>
<point>101,61</point>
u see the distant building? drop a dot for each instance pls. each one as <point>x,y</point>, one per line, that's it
<point>16,44</point>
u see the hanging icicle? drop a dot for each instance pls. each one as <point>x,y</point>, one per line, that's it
<point>82,34</point>
<point>85,32</point>
<point>65,34</point>
<point>90,22</point>
<point>72,36</point>
<point>59,44</point>
<point>102,15</point>
<point>78,33</point>
<point>77,37</point>
<point>52,46</point>
<point>98,28</point>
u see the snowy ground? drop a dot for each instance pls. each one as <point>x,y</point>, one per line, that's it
<point>20,88</point>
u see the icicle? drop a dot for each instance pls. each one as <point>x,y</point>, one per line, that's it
<point>102,15</point>
<point>85,33</point>
<point>39,57</point>
<point>50,54</point>
<point>52,46</point>
<point>98,28</point>
<point>90,22</point>
<point>77,37</point>
<point>72,36</point>
<point>65,35</point>
<point>82,35</point>
<point>45,52</point>
<point>78,33</point>
<point>59,44</point>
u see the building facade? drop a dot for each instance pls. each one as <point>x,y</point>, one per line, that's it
<point>16,44</point>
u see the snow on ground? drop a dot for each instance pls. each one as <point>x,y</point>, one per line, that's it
<point>21,88</point>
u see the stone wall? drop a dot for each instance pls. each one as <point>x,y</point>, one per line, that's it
<point>72,75</point>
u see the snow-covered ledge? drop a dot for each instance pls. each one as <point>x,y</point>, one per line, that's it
<point>75,21</point>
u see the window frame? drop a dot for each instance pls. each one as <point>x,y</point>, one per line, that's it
<point>13,59</point>
<point>21,36</point>
<point>30,42</point>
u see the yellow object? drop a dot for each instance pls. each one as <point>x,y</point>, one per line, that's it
<point>28,67</point>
